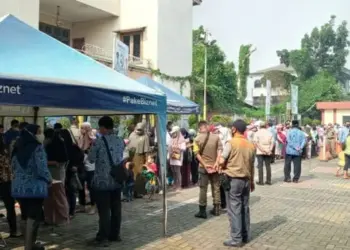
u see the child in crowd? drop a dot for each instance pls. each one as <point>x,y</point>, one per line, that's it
<point>149,172</point>
<point>151,165</point>
<point>341,162</point>
<point>130,182</point>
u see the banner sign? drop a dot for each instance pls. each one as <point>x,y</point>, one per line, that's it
<point>121,57</point>
<point>268,98</point>
<point>294,99</point>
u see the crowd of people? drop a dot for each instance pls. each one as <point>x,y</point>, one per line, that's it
<point>46,171</point>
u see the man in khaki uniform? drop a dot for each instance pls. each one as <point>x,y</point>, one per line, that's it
<point>207,148</point>
<point>238,166</point>
<point>331,140</point>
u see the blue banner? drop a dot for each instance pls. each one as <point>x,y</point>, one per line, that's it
<point>38,93</point>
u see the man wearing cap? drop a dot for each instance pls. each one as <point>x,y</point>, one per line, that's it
<point>296,141</point>
<point>264,143</point>
<point>208,148</point>
<point>238,166</point>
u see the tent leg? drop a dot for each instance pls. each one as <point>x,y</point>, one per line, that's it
<point>165,201</point>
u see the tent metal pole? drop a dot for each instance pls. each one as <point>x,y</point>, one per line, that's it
<point>165,201</point>
<point>35,118</point>
<point>163,169</point>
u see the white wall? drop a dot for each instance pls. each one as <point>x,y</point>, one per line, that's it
<point>141,13</point>
<point>99,32</point>
<point>26,10</point>
<point>110,6</point>
<point>175,37</point>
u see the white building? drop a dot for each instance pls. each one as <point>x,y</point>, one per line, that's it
<point>158,32</point>
<point>256,91</point>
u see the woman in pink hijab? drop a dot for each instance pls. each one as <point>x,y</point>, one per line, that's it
<point>86,136</point>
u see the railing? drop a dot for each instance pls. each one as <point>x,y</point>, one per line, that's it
<point>106,56</point>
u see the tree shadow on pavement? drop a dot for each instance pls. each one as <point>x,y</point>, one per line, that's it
<point>262,227</point>
<point>136,232</point>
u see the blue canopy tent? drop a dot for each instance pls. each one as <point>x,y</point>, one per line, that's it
<point>40,76</point>
<point>176,103</point>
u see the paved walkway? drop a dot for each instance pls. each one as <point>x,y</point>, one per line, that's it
<point>312,214</point>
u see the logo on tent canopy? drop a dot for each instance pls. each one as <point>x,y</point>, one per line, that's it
<point>10,90</point>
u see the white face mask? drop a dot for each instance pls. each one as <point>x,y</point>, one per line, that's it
<point>40,138</point>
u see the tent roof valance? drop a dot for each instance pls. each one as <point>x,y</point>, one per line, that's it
<point>176,103</point>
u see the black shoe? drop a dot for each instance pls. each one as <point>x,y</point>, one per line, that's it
<point>295,181</point>
<point>115,239</point>
<point>259,183</point>
<point>287,180</point>
<point>268,183</point>
<point>202,212</point>
<point>216,210</point>
<point>38,247</point>
<point>230,243</point>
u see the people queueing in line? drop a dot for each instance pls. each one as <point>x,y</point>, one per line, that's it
<point>208,148</point>
<point>238,167</point>
<point>296,142</point>
<point>265,145</point>
<point>64,162</point>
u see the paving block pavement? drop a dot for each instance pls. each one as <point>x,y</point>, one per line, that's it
<point>313,215</point>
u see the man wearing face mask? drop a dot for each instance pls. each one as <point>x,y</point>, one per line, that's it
<point>207,147</point>
<point>238,166</point>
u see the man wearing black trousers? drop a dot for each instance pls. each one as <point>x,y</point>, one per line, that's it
<point>264,143</point>
<point>106,153</point>
<point>296,141</point>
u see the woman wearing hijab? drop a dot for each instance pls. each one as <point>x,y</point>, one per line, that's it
<point>5,187</point>
<point>56,205</point>
<point>86,139</point>
<point>86,136</point>
<point>31,181</point>
<point>176,148</point>
<point>75,166</point>
<point>187,160</point>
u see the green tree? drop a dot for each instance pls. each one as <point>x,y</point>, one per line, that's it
<point>221,76</point>
<point>325,48</point>
<point>321,87</point>
<point>243,69</point>
<point>318,63</point>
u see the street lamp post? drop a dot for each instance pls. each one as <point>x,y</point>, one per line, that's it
<point>207,38</point>
<point>205,82</point>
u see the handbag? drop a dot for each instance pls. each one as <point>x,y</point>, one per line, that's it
<point>118,171</point>
<point>75,183</point>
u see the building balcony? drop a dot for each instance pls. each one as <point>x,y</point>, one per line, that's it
<point>80,10</point>
<point>106,57</point>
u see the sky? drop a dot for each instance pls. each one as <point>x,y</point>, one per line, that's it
<point>269,25</point>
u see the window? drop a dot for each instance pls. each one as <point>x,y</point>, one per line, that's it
<point>134,42</point>
<point>257,84</point>
<point>61,34</point>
